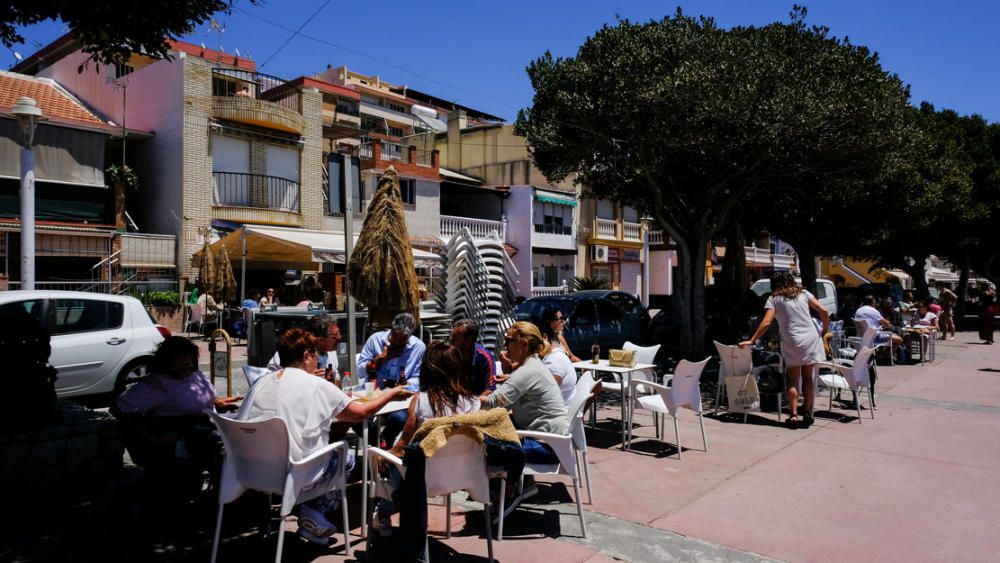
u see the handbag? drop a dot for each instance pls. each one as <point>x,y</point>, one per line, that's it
<point>742,393</point>
<point>621,358</point>
<point>771,380</point>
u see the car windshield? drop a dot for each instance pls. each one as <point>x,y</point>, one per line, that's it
<point>532,309</point>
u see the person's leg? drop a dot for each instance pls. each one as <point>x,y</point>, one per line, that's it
<point>808,388</point>
<point>792,390</point>
<point>392,425</point>
<point>539,453</point>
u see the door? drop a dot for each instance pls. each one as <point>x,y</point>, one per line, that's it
<point>90,341</point>
<point>582,328</point>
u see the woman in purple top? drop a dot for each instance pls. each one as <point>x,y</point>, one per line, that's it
<point>163,416</point>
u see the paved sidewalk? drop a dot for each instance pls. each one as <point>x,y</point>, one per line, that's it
<point>920,482</point>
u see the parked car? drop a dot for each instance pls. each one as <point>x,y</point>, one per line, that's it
<point>100,343</point>
<point>826,292</point>
<point>607,317</point>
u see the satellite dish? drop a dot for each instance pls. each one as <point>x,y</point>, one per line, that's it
<point>17,55</point>
<point>203,45</point>
<point>237,52</point>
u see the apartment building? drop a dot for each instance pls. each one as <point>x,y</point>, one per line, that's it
<point>81,221</point>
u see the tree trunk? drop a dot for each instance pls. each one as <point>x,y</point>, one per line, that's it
<point>916,271</point>
<point>733,284</point>
<point>807,268</point>
<point>691,296</point>
<point>963,289</point>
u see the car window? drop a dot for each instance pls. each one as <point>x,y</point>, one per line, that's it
<point>532,309</point>
<point>86,315</point>
<point>626,302</point>
<point>32,306</point>
<point>584,314</point>
<point>608,312</point>
<point>821,290</point>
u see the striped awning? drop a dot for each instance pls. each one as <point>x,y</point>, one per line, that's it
<point>554,199</point>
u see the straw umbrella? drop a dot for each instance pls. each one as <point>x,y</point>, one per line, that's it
<point>206,266</point>
<point>381,270</point>
<point>225,280</point>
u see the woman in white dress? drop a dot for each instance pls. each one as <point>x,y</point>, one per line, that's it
<point>801,344</point>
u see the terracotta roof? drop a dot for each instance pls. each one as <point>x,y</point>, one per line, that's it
<point>56,103</point>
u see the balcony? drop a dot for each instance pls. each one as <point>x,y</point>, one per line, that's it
<point>548,291</point>
<point>606,228</point>
<point>480,228</point>
<point>656,237</point>
<point>762,258</point>
<point>255,198</point>
<point>631,231</point>
<point>407,159</point>
<point>256,99</point>
<point>553,236</point>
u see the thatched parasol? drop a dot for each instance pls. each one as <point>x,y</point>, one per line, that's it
<point>381,271</point>
<point>206,267</point>
<point>225,280</point>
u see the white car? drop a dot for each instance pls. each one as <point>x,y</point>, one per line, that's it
<point>826,292</point>
<point>100,343</point>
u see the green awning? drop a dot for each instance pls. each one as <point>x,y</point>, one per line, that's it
<point>544,198</point>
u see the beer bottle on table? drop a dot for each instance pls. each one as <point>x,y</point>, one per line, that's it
<point>595,352</point>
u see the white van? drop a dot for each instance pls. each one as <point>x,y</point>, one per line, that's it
<point>826,292</point>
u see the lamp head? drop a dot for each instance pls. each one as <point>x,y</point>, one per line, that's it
<point>646,221</point>
<point>28,114</point>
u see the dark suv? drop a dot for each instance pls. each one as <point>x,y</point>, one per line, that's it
<point>607,317</point>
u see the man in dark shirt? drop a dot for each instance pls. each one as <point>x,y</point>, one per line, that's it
<point>480,365</point>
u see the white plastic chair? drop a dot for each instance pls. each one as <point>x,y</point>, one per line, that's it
<point>252,374</point>
<point>868,339</point>
<point>643,355</point>
<point>566,450</point>
<point>733,360</point>
<point>684,392</point>
<point>257,458</point>
<point>459,465</point>
<point>584,387</point>
<point>852,378</point>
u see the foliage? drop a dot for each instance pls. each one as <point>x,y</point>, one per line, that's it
<point>581,283</point>
<point>699,119</point>
<point>160,298</point>
<point>111,31</point>
<point>381,272</point>
<point>124,174</point>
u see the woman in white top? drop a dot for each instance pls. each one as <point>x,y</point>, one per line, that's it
<point>801,344</point>
<point>557,360</point>
<point>444,391</point>
<point>924,317</point>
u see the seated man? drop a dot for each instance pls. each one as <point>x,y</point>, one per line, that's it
<point>477,360</point>
<point>868,313</point>
<point>309,405</point>
<point>392,358</point>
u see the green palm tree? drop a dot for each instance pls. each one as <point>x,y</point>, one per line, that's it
<point>581,283</point>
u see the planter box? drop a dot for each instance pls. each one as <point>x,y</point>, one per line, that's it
<point>170,317</point>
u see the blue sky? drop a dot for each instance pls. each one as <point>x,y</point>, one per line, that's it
<point>475,52</point>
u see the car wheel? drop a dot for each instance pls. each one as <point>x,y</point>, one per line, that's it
<point>131,373</point>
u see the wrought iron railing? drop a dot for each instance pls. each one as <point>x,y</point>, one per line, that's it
<point>238,189</point>
<point>554,229</point>
<point>232,82</point>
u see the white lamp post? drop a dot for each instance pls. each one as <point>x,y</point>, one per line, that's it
<point>646,222</point>
<point>28,115</point>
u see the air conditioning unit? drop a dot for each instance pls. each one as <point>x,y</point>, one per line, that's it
<point>599,253</point>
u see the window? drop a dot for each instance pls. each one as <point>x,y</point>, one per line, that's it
<point>395,131</point>
<point>608,312</point>
<point>223,87</point>
<point>550,276</point>
<point>627,303</point>
<point>33,307</point>
<point>86,315</point>
<point>584,314</point>
<point>408,189</point>
<point>601,273</point>
<point>395,107</point>
<point>375,124</point>
<point>123,70</point>
<point>820,290</point>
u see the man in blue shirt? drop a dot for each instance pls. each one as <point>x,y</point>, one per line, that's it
<point>480,365</point>
<point>387,352</point>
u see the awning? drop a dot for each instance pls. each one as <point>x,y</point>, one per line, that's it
<point>283,247</point>
<point>941,275</point>
<point>554,199</point>
<point>63,155</point>
<point>452,175</point>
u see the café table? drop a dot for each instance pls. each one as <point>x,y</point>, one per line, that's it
<point>390,407</point>
<point>624,373</point>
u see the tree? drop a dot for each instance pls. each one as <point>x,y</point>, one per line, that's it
<point>686,120</point>
<point>111,31</point>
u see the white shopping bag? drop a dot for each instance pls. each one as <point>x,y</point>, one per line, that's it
<point>742,393</point>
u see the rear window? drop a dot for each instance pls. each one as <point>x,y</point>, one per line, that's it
<point>625,301</point>
<point>821,291</point>
<point>532,309</point>
<point>32,306</point>
<point>86,315</point>
<point>608,312</point>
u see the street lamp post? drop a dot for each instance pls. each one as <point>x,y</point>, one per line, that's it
<point>646,222</point>
<point>28,115</point>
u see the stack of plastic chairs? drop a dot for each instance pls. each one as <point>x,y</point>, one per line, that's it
<point>479,284</point>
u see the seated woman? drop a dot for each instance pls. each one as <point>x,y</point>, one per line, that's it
<point>310,406</point>
<point>163,416</point>
<point>444,391</point>
<point>557,361</point>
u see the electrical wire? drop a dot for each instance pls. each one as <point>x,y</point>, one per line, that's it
<point>294,33</point>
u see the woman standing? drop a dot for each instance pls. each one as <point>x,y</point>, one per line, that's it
<point>987,312</point>
<point>801,344</point>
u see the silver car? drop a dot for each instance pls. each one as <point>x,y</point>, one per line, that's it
<point>100,343</point>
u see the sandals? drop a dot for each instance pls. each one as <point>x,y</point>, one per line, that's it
<point>792,422</point>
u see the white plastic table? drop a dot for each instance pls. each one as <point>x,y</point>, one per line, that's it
<point>626,374</point>
<point>389,407</point>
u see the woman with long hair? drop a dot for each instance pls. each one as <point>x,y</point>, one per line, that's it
<point>801,344</point>
<point>444,391</point>
<point>558,360</point>
<point>553,322</point>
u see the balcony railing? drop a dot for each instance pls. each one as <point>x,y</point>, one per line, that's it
<point>238,189</point>
<point>553,229</point>
<point>655,237</point>
<point>425,158</point>
<point>547,291</point>
<point>606,228</point>
<point>395,151</point>
<point>631,231</point>
<point>480,228</point>
<point>231,82</point>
